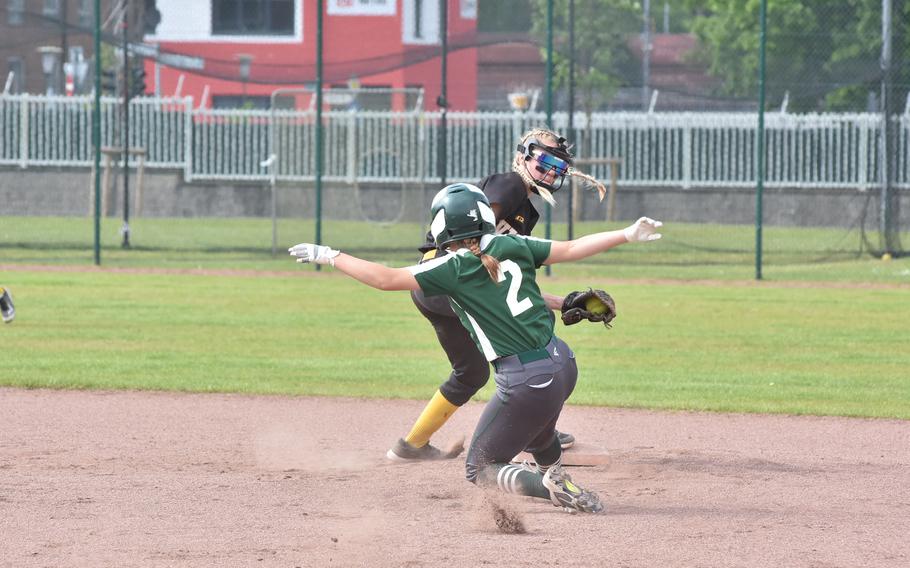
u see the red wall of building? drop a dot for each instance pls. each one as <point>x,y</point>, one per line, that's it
<point>349,42</point>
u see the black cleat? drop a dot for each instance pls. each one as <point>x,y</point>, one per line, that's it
<point>403,451</point>
<point>566,441</point>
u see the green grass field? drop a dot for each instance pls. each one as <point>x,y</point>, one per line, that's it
<point>808,349</point>
<point>688,251</point>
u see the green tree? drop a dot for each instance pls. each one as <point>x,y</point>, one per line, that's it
<point>602,56</point>
<point>825,54</point>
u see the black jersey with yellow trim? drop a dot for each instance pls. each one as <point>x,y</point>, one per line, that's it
<point>517,214</point>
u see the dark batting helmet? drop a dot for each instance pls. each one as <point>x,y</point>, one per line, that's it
<point>460,211</point>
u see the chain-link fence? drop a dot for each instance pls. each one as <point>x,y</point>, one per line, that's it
<point>662,95</point>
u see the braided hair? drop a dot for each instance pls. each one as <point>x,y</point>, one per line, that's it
<point>489,262</point>
<point>519,166</point>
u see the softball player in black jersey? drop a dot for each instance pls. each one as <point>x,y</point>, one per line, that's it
<point>491,282</point>
<point>540,165</point>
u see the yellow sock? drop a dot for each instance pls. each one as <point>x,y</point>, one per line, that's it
<point>434,415</point>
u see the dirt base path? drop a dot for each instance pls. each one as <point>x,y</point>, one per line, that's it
<point>153,479</point>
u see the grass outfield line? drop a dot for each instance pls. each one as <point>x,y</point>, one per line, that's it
<point>832,350</point>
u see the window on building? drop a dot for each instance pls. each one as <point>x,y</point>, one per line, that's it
<point>16,66</point>
<point>15,10</point>
<point>469,9</point>
<point>249,102</point>
<point>253,17</point>
<point>85,13</point>
<point>51,8</point>
<point>420,21</point>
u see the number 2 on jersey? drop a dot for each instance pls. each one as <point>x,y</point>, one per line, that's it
<point>515,305</point>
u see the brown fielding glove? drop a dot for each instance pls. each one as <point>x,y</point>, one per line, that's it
<point>592,305</point>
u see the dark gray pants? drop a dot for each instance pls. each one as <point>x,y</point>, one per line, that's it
<point>470,370</point>
<point>523,413</point>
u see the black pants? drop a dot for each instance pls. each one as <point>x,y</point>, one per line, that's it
<point>470,369</point>
<point>523,413</point>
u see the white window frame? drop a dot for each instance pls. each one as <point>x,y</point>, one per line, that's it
<point>174,25</point>
<point>85,10</point>
<point>468,9</point>
<point>429,16</point>
<point>15,12</point>
<point>266,4</point>
<point>51,8</point>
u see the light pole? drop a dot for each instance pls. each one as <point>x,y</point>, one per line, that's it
<point>246,61</point>
<point>442,101</point>
<point>50,65</point>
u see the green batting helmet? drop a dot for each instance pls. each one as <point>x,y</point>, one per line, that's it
<point>460,211</point>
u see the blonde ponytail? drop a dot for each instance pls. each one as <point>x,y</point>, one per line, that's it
<point>601,189</point>
<point>489,262</point>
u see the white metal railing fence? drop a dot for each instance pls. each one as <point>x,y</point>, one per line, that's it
<point>655,149</point>
<point>57,131</point>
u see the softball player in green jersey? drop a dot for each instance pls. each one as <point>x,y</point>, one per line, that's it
<point>540,165</point>
<point>491,281</point>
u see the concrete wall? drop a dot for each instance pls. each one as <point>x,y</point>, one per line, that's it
<point>67,191</point>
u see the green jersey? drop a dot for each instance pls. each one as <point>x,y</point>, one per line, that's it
<point>504,317</point>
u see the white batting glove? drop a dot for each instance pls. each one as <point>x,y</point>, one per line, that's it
<point>319,254</point>
<point>643,230</point>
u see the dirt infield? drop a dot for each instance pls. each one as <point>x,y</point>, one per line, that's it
<point>152,479</point>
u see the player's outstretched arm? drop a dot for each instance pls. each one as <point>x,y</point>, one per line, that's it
<point>553,301</point>
<point>643,230</point>
<point>375,275</point>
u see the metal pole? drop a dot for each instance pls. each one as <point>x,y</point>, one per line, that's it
<point>442,101</point>
<point>646,56</point>
<point>319,149</point>
<point>157,78</point>
<point>126,127</point>
<point>274,199</point>
<point>888,237</point>
<point>549,214</point>
<point>64,47</point>
<point>760,145</point>
<point>96,130</point>
<point>571,127</point>
<point>273,157</point>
